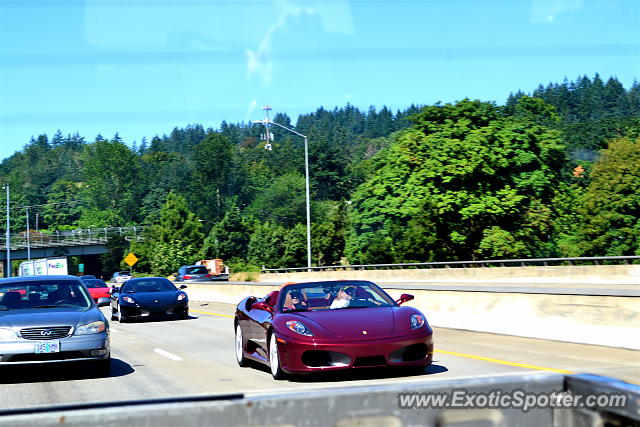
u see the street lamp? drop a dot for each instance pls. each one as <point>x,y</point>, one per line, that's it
<point>28,242</point>
<point>8,236</point>
<point>268,122</point>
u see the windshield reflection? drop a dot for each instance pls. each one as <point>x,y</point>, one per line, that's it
<point>43,295</point>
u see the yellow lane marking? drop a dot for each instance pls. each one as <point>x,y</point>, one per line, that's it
<point>504,362</point>
<point>210,313</point>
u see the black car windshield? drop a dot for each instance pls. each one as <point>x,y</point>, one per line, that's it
<point>196,270</point>
<point>333,295</point>
<point>148,285</point>
<point>43,294</point>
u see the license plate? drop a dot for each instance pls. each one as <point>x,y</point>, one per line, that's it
<point>47,346</point>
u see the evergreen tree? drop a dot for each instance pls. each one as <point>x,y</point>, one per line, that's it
<point>610,217</point>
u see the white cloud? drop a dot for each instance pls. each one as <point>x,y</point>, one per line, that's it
<point>334,17</point>
<point>545,11</point>
<point>252,106</point>
<point>259,61</point>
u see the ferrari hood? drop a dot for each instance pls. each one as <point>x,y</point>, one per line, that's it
<point>144,298</point>
<point>355,323</point>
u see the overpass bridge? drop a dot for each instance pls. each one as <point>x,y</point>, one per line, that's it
<point>79,242</point>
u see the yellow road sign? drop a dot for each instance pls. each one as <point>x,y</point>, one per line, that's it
<point>131,259</point>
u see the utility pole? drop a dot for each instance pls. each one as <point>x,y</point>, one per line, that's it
<point>267,136</point>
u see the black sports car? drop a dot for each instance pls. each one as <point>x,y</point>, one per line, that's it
<point>146,297</point>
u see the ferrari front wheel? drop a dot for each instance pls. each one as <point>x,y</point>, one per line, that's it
<point>274,359</point>
<point>242,361</point>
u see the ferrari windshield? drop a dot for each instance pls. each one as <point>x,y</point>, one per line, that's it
<point>43,294</point>
<point>331,296</point>
<point>148,285</point>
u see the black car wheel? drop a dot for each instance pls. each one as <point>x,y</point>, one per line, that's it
<point>121,317</point>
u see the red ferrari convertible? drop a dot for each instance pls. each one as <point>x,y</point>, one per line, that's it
<point>330,325</point>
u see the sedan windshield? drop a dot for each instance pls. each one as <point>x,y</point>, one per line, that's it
<point>338,295</point>
<point>43,294</point>
<point>148,285</point>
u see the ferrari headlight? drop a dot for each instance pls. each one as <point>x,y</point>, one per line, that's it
<point>182,296</point>
<point>91,328</point>
<point>128,299</point>
<point>299,328</point>
<point>7,334</point>
<point>417,321</point>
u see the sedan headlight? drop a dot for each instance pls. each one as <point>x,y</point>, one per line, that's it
<point>417,321</point>
<point>299,328</point>
<point>91,328</point>
<point>7,334</point>
<point>128,299</point>
<point>182,296</point>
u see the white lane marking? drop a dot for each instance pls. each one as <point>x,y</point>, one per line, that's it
<point>114,330</point>
<point>168,355</point>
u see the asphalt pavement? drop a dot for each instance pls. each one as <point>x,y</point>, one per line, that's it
<point>164,359</point>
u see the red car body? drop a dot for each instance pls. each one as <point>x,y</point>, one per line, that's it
<point>97,288</point>
<point>355,337</point>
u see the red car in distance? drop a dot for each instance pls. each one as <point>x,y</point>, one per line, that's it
<point>97,288</point>
<point>331,325</point>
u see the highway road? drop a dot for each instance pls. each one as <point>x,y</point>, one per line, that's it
<point>164,359</point>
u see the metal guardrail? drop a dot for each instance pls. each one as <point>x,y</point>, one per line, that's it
<point>78,237</point>
<point>521,262</point>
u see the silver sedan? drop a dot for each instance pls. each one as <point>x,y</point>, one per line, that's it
<point>49,319</point>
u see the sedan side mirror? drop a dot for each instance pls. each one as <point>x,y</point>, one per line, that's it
<point>183,286</point>
<point>103,301</point>
<point>404,298</point>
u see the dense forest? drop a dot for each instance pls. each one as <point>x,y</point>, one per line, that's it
<point>553,172</point>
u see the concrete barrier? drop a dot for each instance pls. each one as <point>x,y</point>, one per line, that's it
<point>582,274</point>
<point>524,400</point>
<point>571,317</point>
<point>608,321</point>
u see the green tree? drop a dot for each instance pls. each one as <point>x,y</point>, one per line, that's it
<point>266,245</point>
<point>282,202</point>
<point>328,231</point>
<point>178,232</point>
<point>229,239</point>
<point>463,170</point>
<point>610,223</point>
<point>212,176</point>
<point>111,172</point>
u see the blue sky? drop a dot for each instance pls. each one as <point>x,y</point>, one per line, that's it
<point>143,67</point>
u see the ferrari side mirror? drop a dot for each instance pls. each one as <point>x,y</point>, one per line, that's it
<point>404,298</point>
<point>261,305</point>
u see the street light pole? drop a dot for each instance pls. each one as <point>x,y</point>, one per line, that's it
<point>8,236</point>
<point>268,122</point>
<point>28,242</point>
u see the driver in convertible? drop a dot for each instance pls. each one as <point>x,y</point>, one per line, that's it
<point>297,301</point>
